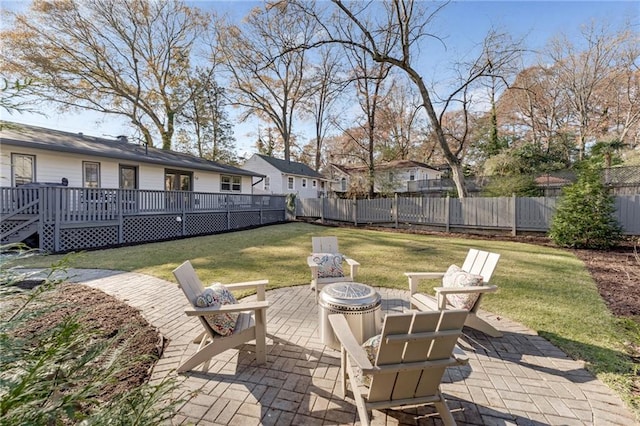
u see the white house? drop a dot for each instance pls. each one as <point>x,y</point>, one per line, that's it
<point>30,154</point>
<point>285,177</point>
<point>390,177</point>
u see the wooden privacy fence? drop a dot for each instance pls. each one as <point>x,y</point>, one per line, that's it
<point>514,214</point>
<point>79,218</point>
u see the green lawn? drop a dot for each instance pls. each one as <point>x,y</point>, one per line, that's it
<point>548,290</point>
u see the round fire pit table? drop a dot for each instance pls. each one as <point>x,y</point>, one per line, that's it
<point>359,303</point>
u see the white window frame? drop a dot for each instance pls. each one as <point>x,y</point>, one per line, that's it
<point>304,182</point>
<point>267,183</point>
<point>15,158</point>
<point>314,183</point>
<point>230,183</point>
<point>86,183</point>
<point>343,184</point>
<point>291,183</point>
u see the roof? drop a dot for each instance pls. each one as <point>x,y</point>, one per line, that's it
<point>390,165</point>
<point>23,135</point>
<point>291,167</point>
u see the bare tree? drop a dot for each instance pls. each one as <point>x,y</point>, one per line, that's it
<point>405,23</point>
<point>267,80</point>
<point>582,73</point>
<point>119,57</point>
<point>327,84</point>
<point>401,125</point>
<point>369,80</point>
<point>206,124</point>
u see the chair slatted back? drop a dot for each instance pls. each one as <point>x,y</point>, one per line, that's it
<point>415,348</point>
<point>324,245</point>
<point>191,286</point>
<point>481,263</point>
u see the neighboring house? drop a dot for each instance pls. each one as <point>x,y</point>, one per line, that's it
<point>32,154</point>
<point>390,177</point>
<point>285,177</point>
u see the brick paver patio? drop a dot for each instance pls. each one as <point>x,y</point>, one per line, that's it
<point>519,379</point>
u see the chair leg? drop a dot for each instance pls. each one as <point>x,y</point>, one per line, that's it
<point>261,336</point>
<point>201,356</point>
<point>443,410</point>
<point>481,325</point>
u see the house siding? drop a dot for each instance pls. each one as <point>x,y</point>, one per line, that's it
<point>278,182</point>
<point>53,166</point>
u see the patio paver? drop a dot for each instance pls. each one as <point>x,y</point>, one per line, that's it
<point>519,379</point>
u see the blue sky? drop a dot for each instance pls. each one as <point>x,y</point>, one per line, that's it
<point>462,25</point>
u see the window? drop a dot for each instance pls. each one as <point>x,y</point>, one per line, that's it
<point>24,168</point>
<point>412,175</point>
<point>128,177</point>
<point>178,180</point>
<point>91,174</point>
<point>267,183</point>
<point>343,184</point>
<point>304,182</point>
<point>314,183</point>
<point>290,183</point>
<point>230,183</point>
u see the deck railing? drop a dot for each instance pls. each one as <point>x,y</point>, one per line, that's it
<point>77,218</point>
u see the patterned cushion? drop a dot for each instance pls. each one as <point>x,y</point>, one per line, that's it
<point>329,264</point>
<point>371,348</point>
<point>217,295</point>
<point>456,277</point>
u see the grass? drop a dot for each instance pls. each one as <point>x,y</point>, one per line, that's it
<point>548,290</point>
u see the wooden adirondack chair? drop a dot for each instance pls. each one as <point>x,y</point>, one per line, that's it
<point>415,349</point>
<point>250,325</point>
<point>328,245</point>
<point>477,262</point>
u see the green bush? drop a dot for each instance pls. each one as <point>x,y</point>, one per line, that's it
<point>506,186</point>
<point>584,216</point>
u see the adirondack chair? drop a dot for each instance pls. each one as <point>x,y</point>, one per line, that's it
<point>414,350</point>
<point>477,262</point>
<point>328,245</point>
<point>250,324</point>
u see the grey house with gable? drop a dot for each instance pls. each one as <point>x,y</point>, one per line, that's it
<point>285,177</point>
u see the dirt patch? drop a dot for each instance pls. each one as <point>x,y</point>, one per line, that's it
<point>105,316</point>
<point>617,275</point>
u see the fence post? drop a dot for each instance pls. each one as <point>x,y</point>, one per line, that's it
<point>57,202</point>
<point>514,203</point>
<point>261,208</point>
<point>447,212</point>
<point>322,209</point>
<point>226,197</point>
<point>355,211</point>
<point>120,208</point>
<point>394,209</point>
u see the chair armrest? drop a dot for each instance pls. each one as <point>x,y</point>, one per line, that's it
<point>466,290</point>
<point>353,265</point>
<point>349,343</point>
<point>259,286</point>
<point>414,277</point>
<point>225,309</point>
<point>442,292</point>
<point>247,284</point>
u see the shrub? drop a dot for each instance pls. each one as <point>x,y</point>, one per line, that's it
<point>506,186</point>
<point>584,215</point>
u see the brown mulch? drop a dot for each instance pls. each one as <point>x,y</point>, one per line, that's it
<point>616,273</point>
<point>104,316</point>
